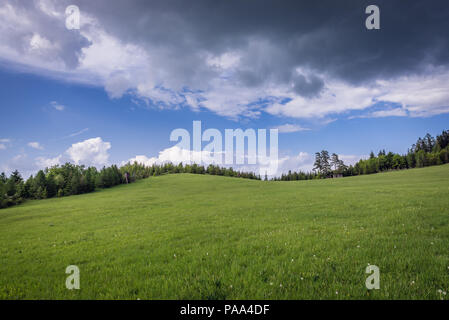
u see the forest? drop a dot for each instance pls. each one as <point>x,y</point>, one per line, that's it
<point>70,179</point>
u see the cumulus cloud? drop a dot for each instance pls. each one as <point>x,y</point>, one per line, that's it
<point>303,161</point>
<point>237,61</point>
<point>351,159</point>
<point>175,155</point>
<point>90,152</point>
<point>35,145</point>
<point>42,162</point>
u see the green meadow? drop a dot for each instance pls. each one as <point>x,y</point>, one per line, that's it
<point>183,236</point>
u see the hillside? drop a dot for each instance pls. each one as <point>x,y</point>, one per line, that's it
<point>185,236</point>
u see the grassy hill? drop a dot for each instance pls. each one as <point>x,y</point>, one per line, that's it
<point>208,237</point>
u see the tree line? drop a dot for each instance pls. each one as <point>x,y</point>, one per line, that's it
<point>70,179</point>
<point>427,151</point>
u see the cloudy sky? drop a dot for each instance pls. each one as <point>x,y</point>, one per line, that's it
<point>135,70</point>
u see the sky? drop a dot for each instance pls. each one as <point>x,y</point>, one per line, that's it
<point>114,90</point>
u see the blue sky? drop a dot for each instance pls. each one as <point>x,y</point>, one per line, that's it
<point>136,129</point>
<point>114,90</point>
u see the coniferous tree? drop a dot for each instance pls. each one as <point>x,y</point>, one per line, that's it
<point>325,165</point>
<point>317,166</point>
<point>335,162</point>
<point>16,177</point>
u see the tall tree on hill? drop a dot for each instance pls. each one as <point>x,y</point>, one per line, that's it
<point>10,187</point>
<point>335,162</point>
<point>325,165</point>
<point>389,160</point>
<point>51,186</point>
<point>342,166</point>
<point>429,142</point>
<point>40,187</point>
<point>16,177</point>
<point>443,139</point>
<point>317,166</point>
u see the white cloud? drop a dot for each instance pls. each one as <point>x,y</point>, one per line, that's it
<point>351,159</point>
<point>421,96</point>
<point>35,145</point>
<point>174,155</point>
<point>300,162</point>
<point>288,128</point>
<point>39,43</point>
<point>42,162</point>
<point>90,152</point>
<point>397,112</point>
<point>57,106</point>
<point>3,143</point>
<point>338,97</point>
<point>142,159</point>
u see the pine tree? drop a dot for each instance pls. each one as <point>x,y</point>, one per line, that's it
<point>317,166</point>
<point>51,186</point>
<point>335,161</point>
<point>325,165</point>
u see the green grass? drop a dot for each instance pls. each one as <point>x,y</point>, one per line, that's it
<point>208,237</point>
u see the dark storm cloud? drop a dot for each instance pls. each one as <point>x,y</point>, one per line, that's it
<point>307,87</point>
<point>326,37</point>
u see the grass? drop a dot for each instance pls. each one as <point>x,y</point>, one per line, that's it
<point>208,237</point>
